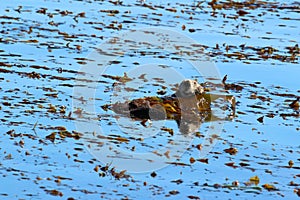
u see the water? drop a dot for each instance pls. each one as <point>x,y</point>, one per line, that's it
<point>44,46</point>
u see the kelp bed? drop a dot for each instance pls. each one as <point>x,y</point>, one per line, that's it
<point>43,46</point>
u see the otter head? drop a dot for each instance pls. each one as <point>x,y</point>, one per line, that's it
<point>189,88</point>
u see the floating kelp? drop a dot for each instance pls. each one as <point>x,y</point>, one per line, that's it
<point>189,104</point>
<point>173,105</point>
<point>43,47</point>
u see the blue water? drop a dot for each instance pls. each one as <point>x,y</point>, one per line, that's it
<point>59,45</point>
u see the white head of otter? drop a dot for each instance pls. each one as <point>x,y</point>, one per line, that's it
<point>189,88</point>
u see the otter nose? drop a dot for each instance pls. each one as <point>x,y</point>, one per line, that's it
<point>200,89</point>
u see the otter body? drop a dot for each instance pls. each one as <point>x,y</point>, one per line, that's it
<point>187,100</point>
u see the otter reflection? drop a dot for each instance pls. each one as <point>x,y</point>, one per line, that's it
<point>189,106</point>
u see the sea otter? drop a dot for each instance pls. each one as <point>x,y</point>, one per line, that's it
<point>189,100</point>
<point>188,88</point>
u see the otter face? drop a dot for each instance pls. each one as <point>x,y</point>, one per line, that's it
<point>188,88</point>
